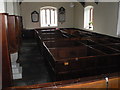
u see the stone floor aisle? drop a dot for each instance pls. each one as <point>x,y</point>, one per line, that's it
<point>34,69</point>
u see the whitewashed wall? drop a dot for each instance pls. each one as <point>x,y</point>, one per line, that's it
<point>28,7</point>
<point>2,6</point>
<point>105,17</point>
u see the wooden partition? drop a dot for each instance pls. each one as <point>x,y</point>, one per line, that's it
<point>12,34</point>
<point>18,31</point>
<point>69,60</point>
<point>6,65</point>
<point>87,83</point>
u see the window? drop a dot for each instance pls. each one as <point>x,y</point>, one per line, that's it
<point>48,16</point>
<point>88,17</point>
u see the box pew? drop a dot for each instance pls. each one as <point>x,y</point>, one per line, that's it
<point>105,41</point>
<point>67,43</point>
<point>6,68</point>
<point>48,35</point>
<point>71,58</point>
<point>114,46</point>
<point>82,34</point>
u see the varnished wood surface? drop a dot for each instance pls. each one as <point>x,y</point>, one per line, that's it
<point>18,31</point>
<point>90,56</point>
<point>74,52</point>
<point>58,44</point>
<point>113,83</point>
<point>86,82</point>
<point>12,36</point>
<point>6,63</point>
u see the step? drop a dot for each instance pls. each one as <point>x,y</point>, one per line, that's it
<point>17,70</point>
<point>17,76</point>
<point>14,57</point>
<point>15,65</point>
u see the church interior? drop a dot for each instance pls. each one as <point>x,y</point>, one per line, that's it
<point>59,44</point>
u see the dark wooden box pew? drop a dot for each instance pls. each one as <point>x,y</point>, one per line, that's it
<point>64,43</point>
<point>114,46</point>
<point>47,37</point>
<point>12,34</point>
<point>88,42</point>
<point>105,49</point>
<point>62,38</point>
<point>69,60</point>
<point>58,44</point>
<point>106,41</point>
<point>51,34</point>
<point>6,76</point>
<point>82,34</point>
<point>81,60</point>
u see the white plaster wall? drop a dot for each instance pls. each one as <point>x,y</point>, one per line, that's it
<point>2,6</point>
<point>13,7</point>
<point>10,8</point>
<point>28,7</point>
<point>78,16</point>
<point>118,25</point>
<point>105,17</point>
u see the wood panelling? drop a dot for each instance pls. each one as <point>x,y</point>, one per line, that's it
<point>6,65</point>
<point>92,82</point>
<point>18,30</point>
<point>12,34</point>
<point>21,28</point>
<point>113,83</point>
<point>70,61</point>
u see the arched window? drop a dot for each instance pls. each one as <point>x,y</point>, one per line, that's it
<point>88,17</point>
<point>48,16</point>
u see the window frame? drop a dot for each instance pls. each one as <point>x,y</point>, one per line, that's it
<point>88,9</point>
<point>55,17</point>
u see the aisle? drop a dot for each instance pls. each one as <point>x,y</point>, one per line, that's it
<point>33,65</point>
